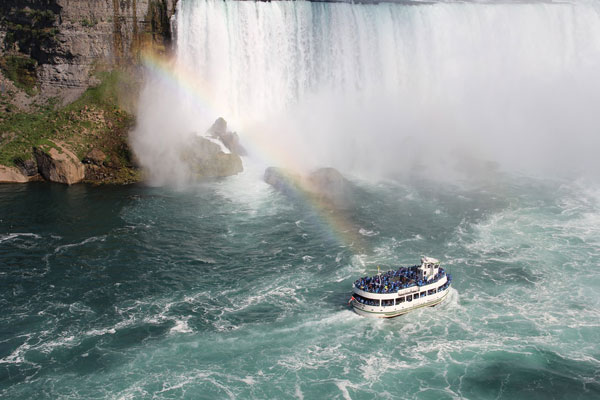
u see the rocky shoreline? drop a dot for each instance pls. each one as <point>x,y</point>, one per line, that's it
<point>69,79</point>
<point>55,163</point>
<point>216,155</point>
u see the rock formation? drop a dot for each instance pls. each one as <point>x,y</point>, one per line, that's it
<point>57,164</point>
<point>56,49</point>
<point>64,40</point>
<point>95,156</point>
<point>231,140</point>
<point>12,175</point>
<point>326,185</point>
<point>27,167</point>
<point>283,180</point>
<point>205,159</point>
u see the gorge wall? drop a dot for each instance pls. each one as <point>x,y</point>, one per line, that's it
<point>54,45</point>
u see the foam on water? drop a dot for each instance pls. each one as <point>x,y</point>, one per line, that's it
<point>12,236</point>
<point>131,308</point>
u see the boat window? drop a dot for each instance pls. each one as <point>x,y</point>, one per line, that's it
<point>400,300</point>
<point>365,301</point>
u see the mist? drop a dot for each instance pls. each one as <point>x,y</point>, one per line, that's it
<point>442,90</point>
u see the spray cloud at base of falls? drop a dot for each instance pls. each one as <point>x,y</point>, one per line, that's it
<point>380,89</point>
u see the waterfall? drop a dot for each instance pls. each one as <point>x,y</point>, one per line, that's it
<point>368,86</point>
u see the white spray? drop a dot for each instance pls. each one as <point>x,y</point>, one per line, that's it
<point>382,89</point>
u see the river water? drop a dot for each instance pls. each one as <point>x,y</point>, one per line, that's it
<point>230,289</point>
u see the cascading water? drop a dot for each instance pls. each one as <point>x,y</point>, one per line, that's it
<point>367,87</point>
<point>259,59</point>
<point>230,289</point>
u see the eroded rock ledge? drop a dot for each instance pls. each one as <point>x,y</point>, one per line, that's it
<point>326,185</point>
<point>57,164</point>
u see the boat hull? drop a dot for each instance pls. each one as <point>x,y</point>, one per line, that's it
<point>395,311</point>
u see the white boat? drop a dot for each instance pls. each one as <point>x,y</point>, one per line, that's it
<point>397,292</point>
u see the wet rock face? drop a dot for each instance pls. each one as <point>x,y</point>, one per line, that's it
<point>327,185</point>
<point>57,164</point>
<point>77,35</point>
<point>283,180</point>
<point>231,140</point>
<point>205,159</point>
<point>330,185</point>
<point>95,157</point>
<point>27,167</point>
<point>12,175</point>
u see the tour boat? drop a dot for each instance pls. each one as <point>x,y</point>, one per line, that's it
<point>397,292</point>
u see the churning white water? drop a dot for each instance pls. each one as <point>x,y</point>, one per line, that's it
<point>390,87</point>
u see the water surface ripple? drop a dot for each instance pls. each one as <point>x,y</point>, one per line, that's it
<point>216,292</point>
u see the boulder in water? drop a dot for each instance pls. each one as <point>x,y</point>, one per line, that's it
<point>330,185</point>
<point>283,180</point>
<point>27,167</point>
<point>206,160</point>
<point>57,164</point>
<point>12,175</point>
<point>326,185</point>
<point>231,140</point>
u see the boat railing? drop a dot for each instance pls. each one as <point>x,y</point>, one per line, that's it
<point>379,285</point>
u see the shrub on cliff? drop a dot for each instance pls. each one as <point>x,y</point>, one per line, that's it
<point>95,120</point>
<point>21,70</point>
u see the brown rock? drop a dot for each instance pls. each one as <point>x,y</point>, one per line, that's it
<point>95,157</point>
<point>330,185</point>
<point>283,180</point>
<point>326,185</point>
<point>79,35</point>
<point>206,160</point>
<point>57,164</point>
<point>11,175</point>
<point>219,127</point>
<point>231,140</point>
<point>27,167</point>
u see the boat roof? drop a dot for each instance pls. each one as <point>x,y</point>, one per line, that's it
<point>429,260</point>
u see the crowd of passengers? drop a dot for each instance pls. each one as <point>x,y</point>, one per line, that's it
<point>389,303</point>
<point>392,281</point>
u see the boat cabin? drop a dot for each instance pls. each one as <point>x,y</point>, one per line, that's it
<point>428,269</point>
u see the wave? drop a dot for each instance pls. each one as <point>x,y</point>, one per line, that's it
<point>13,236</point>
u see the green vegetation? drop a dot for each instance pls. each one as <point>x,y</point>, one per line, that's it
<point>21,70</point>
<point>93,121</point>
<point>30,29</point>
<point>89,23</point>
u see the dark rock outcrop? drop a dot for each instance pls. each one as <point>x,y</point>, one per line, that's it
<point>95,156</point>
<point>283,180</point>
<point>331,186</point>
<point>205,159</point>
<point>326,185</point>
<point>57,164</point>
<point>11,175</point>
<point>67,39</point>
<point>231,140</point>
<point>27,167</point>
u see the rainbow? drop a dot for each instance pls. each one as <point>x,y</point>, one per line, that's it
<point>335,224</point>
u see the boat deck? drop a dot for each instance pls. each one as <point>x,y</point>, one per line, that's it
<point>394,280</point>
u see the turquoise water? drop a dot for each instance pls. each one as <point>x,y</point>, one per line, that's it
<point>231,290</point>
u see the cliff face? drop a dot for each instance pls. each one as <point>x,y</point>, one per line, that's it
<point>53,45</point>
